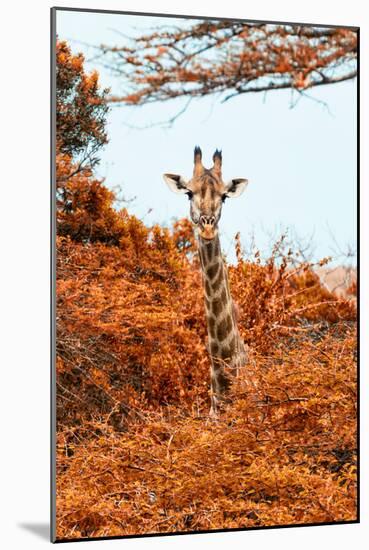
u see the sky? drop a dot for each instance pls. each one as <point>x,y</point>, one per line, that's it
<point>300,161</point>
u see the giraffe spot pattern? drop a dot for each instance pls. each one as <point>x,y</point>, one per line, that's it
<point>229,323</point>
<point>216,307</point>
<point>223,297</point>
<point>212,271</point>
<point>214,348</point>
<point>209,252</point>
<point>218,281</point>
<point>222,330</point>
<point>223,381</point>
<point>207,289</point>
<point>232,345</point>
<point>211,325</point>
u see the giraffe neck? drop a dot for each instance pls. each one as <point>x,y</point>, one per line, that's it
<point>225,344</point>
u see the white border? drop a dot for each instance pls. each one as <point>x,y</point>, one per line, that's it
<point>25,268</point>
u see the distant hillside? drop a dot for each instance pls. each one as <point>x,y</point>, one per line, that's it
<point>340,280</point>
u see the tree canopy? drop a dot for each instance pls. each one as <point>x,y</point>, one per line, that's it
<point>80,108</point>
<point>229,58</point>
<point>84,205</point>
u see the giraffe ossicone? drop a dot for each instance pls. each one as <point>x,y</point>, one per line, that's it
<point>207,192</point>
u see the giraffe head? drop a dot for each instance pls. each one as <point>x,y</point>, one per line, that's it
<point>207,192</point>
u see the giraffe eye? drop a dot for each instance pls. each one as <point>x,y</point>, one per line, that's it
<point>224,196</point>
<point>189,194</point>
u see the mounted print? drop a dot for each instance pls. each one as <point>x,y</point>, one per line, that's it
<point>204,229</point>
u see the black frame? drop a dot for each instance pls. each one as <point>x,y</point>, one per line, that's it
<point>53,12</point>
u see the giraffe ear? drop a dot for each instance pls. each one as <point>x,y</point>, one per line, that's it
<point>236,187</point>
<point>176,183</point>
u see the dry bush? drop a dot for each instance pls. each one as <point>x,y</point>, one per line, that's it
<point>136,451</point>
<point>283,452</point>
<point>125,333</point>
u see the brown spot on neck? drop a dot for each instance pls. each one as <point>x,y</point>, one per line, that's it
<point>211,326</point>
<point>214,348</point>
<point>218,281</point>
<point>217,307</point>
<point>212,271</point>
<point>222,330</point>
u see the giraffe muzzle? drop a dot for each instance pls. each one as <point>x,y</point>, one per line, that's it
<point>207,228</point>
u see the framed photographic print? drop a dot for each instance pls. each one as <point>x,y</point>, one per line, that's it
<point>204,263</point>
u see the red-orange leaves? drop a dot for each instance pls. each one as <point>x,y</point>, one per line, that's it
<point>231,58</point>
<point>136,451</point>
<point>80,107</point>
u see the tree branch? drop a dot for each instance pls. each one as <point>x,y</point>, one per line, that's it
<point>213,57</point>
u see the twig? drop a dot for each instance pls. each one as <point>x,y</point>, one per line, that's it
<point>289,400</point>
<point>134,467</point>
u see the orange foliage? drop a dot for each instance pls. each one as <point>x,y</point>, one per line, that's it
<point>136,451</point>
<point>80,105</point>
<point>233,57</point>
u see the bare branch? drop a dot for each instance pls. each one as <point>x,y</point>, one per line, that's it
<point>218,57</point>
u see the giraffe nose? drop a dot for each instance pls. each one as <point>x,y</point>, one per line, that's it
<point>207,220</point>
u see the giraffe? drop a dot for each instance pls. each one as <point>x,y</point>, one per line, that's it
<point>207,192</point>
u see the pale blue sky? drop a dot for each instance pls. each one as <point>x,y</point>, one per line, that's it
<point>300,162</point>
